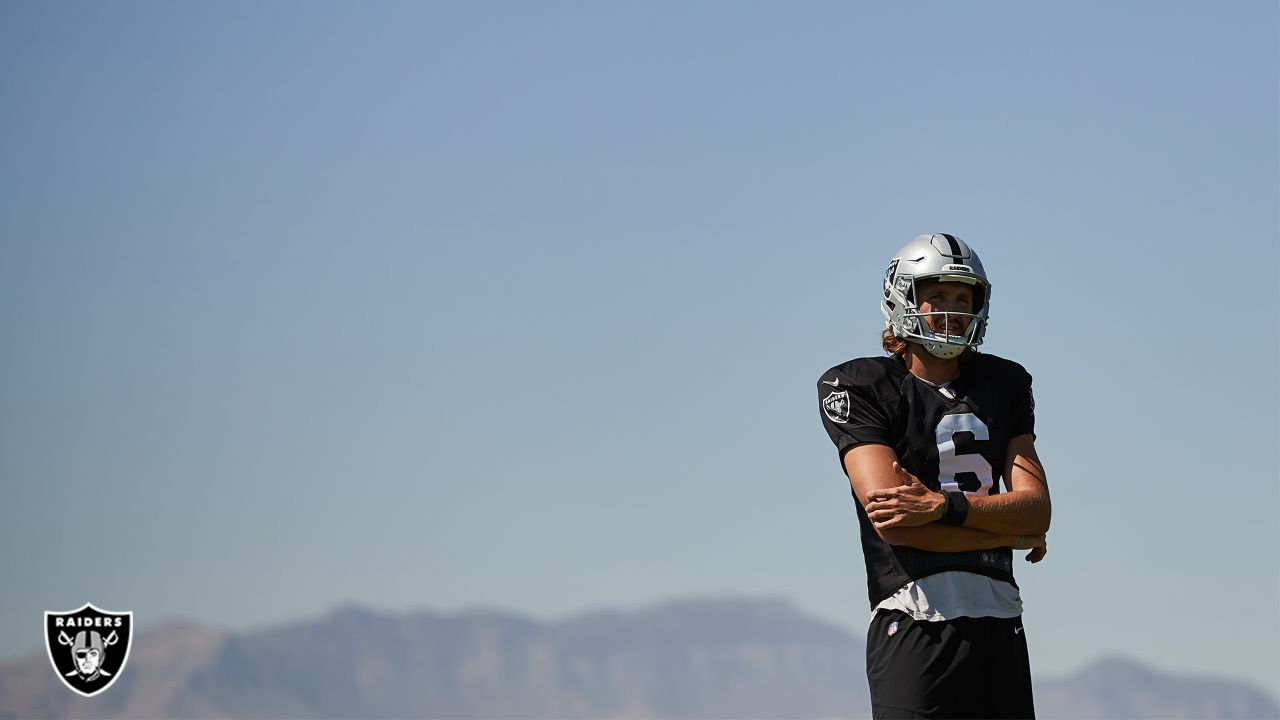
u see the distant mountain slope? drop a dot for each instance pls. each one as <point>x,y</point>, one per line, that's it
<point>1119,688</point>
<point>694,659</point>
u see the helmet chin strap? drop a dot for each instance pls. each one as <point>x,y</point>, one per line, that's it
<point>945,351</point>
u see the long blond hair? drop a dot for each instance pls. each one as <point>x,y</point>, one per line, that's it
<point>892,344</point>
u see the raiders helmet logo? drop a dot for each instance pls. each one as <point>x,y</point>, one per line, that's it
<point>889,275</point>
<point>836,406</point>
<point>88,647</point>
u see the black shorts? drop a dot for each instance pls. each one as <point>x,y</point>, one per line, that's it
<point>961,668</point>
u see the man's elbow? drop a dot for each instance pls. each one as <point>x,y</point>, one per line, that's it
<point>1033,513</point>
<point>1042,518</point>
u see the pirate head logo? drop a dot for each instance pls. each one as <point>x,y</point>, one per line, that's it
<point>88,647</point>
<point>836,405</point>
<point>889,275</point>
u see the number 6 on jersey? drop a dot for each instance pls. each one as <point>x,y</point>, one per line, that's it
<point>967,471</point>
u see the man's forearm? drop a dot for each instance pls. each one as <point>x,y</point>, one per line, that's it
<point>945,538</point>
<point>1009,513</point>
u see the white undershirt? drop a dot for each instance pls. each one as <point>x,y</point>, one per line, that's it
<point>952,594</point>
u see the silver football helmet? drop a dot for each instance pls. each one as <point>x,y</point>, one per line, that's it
<point>935,257</point>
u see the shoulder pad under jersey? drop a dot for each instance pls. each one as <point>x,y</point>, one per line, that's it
<point>984,364</point>
<point>878,375</point>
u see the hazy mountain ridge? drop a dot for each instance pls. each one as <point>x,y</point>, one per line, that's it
<point>1121,688</point>
<point>704,658</point>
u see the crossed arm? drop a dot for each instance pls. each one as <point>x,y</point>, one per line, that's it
<point>903,511</point>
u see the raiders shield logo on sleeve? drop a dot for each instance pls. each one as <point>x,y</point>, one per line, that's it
<point>836,406</point>
<point>88,647</point>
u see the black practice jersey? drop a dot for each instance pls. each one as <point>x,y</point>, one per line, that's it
<point>952,438</point>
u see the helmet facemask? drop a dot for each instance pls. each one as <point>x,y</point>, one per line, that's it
<point>915,326</point>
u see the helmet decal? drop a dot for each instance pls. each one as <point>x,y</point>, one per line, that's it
<point>889,275</point>
<point>951,246</point>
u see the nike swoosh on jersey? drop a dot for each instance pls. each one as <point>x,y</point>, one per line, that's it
<point>832,383</point>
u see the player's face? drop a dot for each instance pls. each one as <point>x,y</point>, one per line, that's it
<point>938,297</point>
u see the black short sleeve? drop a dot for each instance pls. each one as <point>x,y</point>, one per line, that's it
<point>852,410</point>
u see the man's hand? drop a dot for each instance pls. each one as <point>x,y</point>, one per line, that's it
<point>1037,544</point>
<point>908,505</point>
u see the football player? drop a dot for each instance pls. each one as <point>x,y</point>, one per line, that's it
<point>926,436</point>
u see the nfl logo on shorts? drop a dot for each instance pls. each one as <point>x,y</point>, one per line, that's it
<point>893,628</point>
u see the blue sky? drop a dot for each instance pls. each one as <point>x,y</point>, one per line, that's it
<point>434,305</point>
